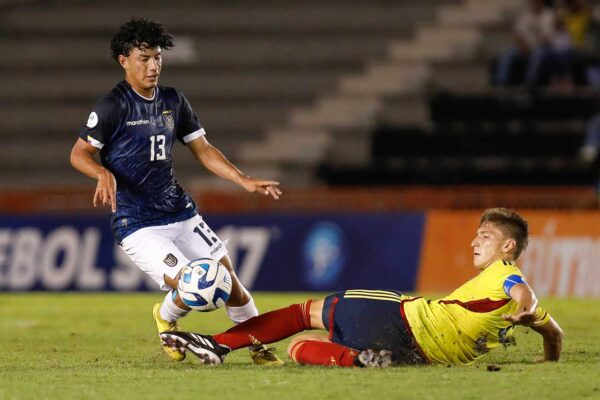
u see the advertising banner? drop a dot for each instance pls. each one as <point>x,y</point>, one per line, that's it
<point>271,252</point>
<point>562,258</point>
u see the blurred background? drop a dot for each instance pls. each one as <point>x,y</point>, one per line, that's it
<point>390,124</point>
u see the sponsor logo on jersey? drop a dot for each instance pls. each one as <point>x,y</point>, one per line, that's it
<point>212,253</point>
<point>138,122</point>
<point>169,120</point>
<point>170,260</point>
<point>92,120</point>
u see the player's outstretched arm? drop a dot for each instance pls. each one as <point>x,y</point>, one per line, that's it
<point>82,159</point>
<point>528,314</point>
<point>216,162</point>
<point>553,337</point>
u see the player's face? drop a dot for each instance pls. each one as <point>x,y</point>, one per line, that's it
<point>142,68</point>
<point>489,245</point>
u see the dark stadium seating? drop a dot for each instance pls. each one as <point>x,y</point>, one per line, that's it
<point>242,64</point>
<point>507,137</point>
<point>251,68</point>
<point>513,105</point>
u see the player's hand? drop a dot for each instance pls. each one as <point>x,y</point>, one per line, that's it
<point>261,186</point>
<point>525,318</point>
<point>106,190</point>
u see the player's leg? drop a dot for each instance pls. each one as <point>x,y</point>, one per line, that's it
<point>274,326</point>
<point>270,327</point>
<point>153,251</point>
<point>240,305</point>
<point>240,308</point>
<point>317,348</point>
<point>197,240</point>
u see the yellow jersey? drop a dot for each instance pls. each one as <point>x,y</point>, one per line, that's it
<point>466,324</point>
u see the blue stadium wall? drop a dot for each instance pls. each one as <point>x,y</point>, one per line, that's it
<point>271,252</point>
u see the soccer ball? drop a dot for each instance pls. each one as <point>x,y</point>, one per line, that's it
<point>204,284</point>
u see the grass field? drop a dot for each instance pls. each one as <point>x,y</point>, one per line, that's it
<point>103,346</point>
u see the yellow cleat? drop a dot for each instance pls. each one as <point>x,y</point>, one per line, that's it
<point>164,326</point>
<point>263,355</point>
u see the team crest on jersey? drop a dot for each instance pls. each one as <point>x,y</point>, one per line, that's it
<point>169,120</point>
<point>170,260</point>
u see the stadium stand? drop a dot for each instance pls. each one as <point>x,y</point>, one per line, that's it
<point>306,92</point>
<point>245,66</point>
<point>467,132</point>
<point>504,138</point>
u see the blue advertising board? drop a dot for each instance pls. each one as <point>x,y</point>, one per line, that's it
<point>271,252</point>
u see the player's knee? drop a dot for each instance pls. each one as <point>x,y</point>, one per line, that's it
<point>239,314</point>
<point>293,342</point>
<point>293,347</point>
<point>226,261</point>
<point>171,282</point>
<point>316,312</point>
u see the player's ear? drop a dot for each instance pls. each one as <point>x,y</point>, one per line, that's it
<point>509,246</point>
<point>124,61</point>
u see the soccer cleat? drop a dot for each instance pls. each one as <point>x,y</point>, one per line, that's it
<point>263,355</point>
<point>374,359</point>
<point>202,346</point>
<point>164,326</point>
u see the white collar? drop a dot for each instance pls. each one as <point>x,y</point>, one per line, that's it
<point>144,97</point>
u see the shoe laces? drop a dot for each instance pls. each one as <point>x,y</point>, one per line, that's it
<point>262,351</point>
<point>259,350</point>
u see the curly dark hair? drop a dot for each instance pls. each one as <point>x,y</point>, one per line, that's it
<point>138,33</point>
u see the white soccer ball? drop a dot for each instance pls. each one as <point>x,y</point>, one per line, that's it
<point>204,284</point>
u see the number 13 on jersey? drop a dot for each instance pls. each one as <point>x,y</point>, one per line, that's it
<point>157,148</point>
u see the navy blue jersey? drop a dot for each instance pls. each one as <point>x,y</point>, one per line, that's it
<point>135,136</point>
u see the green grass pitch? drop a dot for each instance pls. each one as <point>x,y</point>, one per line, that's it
<point>104,346</point>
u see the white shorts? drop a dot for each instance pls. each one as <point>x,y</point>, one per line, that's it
<point>165,249</point>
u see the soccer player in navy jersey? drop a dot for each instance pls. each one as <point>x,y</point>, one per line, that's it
<point>154,220</point>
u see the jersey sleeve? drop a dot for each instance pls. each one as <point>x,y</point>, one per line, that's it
<point>188,126</point>
<point>541,316</point>
<point>102,122</point>
<point>503,278</point>
<point>511,281</point>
